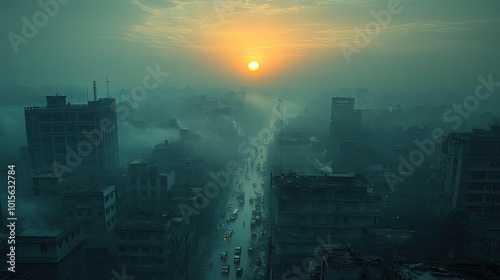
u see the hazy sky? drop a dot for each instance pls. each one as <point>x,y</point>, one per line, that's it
<point>428,44</point>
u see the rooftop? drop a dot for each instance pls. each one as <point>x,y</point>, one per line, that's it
<point>53,228</point>
<point>141,161</point>
<point>87,189</point>
<point>326,180</point>
<point>144,220</point>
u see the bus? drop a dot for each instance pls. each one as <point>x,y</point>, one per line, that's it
<point>234,214</point>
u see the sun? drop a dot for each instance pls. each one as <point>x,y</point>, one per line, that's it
<point>253,66</point>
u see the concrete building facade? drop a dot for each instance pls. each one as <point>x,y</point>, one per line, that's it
<point>74,138</point>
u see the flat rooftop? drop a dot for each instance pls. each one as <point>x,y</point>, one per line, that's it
<point>87,189</point>
<point>53,228</point>
<point>146,221</point>
<point>141,161</point>
<point>326,180</point>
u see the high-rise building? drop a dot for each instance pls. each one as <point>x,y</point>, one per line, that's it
<point>79,139</point>
<point>469,177</point>
<point>345,128</point>
<point>340,206</point>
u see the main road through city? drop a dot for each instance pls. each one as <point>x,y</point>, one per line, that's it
<point>250,179</point>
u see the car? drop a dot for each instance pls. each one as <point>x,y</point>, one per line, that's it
<point>237,251</point>
<point>223,255</point>
<point>229,205</point>
<point>239,272</point>
<point>225,269</point>
<point>237,258</point>
<point>228,219</point>
<point>228,234</point>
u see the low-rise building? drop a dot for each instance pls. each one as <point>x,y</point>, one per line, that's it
<point>52,249</point>
<point>144,245</point>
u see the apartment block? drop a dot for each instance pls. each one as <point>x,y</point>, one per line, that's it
<point>52,249</point>
<point>345,129</point>
<point>144,245</point>
<point>469,176</point>
<point>96,204</point>
<point>72,138</point>
<point>338,206</point>
<point>148,186</point>
<point>189,170</point>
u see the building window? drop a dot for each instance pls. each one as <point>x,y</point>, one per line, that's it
<point>122,237</point>
<point>145,238</point>
<point>145,249</point>
<point>144,193</point>
<point>133,238</point>
<point>133,249</point>
<point>43,248</point>
<point>122,249</point>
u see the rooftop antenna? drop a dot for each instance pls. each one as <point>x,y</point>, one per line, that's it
<point>107,87</point>
<point>87,93</point>
<point>57,89</point>
<point>95,90</point>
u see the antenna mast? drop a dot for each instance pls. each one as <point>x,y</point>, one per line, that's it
<point>95,90</point>
<point>107,87</point>
<point>87,93</point>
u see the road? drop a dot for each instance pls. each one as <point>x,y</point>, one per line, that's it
<point>252,171</point>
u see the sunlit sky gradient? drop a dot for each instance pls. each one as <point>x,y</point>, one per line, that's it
<point>429,45</point>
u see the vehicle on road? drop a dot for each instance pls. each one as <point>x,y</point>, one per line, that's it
<point>239,272</point>
<point>234,215</point>
<point>237,251</point>
<point>229,205</point>
<point>223,255</point>
<point>237,259</point>
<point>225,269</point>
<point>228,234</point>
<point>228,219</point>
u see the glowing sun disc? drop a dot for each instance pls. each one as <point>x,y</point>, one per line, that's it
<point>253,66</point>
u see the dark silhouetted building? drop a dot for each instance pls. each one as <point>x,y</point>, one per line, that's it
<point>337,206</point>
<point>72,138</point>
<point>345,129</point>
<point>469,177</point>
<point>52,249</point>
